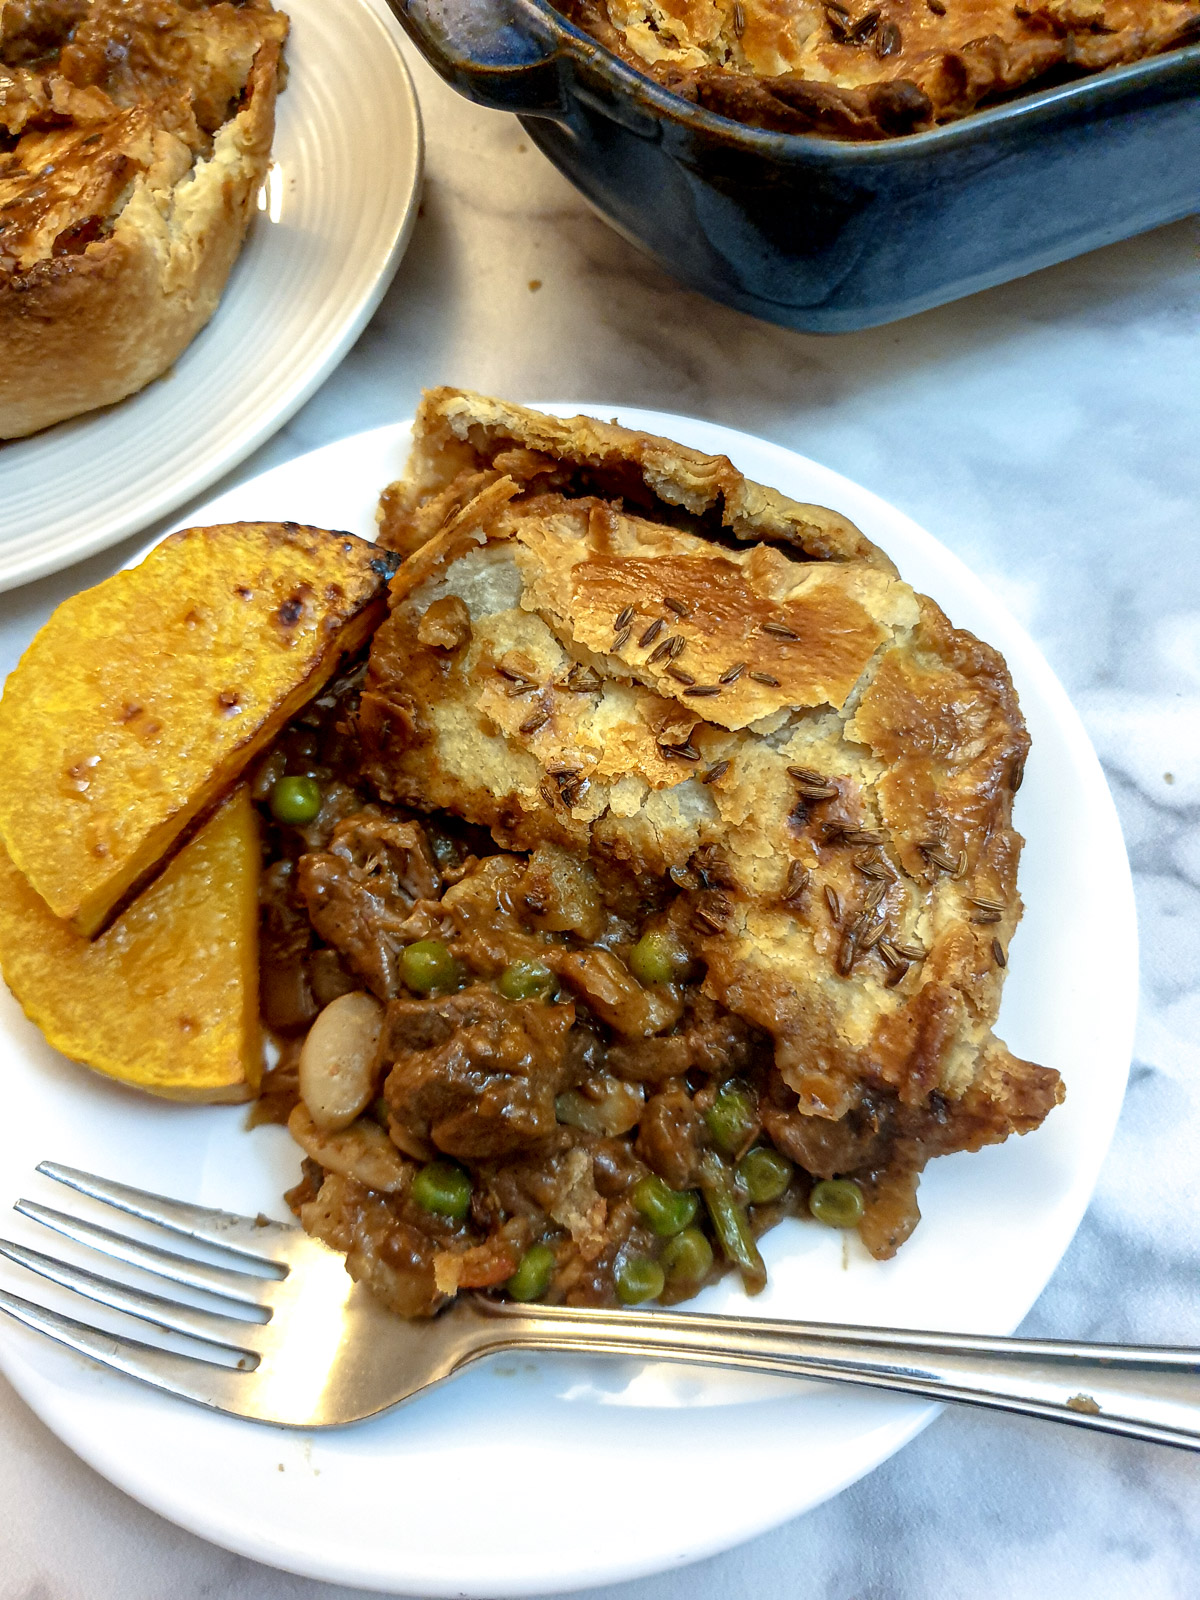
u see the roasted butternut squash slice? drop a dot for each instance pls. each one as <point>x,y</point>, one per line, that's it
<point>142,700</point>
<point>166,999</point>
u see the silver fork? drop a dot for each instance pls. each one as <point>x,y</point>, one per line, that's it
<point>287,1338</point>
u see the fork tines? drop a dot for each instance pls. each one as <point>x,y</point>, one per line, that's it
<point>239,1289</point>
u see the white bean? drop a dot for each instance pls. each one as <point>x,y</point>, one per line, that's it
<point>337,1063</point>
<point>362,1151</point>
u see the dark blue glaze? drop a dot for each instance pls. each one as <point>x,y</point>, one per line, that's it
<point>817,234</point>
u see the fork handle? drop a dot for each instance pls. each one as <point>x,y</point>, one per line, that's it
<point>1143,1392</point>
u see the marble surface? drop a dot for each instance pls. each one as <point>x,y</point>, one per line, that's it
<point>1047,432</point>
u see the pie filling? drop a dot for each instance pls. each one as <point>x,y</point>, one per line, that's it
<point>558,1064</point>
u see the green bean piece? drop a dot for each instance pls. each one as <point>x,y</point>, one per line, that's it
<point>731,1119</point>
<point>687,1259</point>
<point>443,1188</point>
<point>658,957</point>
<point>837,1202</point>
<point>763,1175</point>
<point>295,801</point>
<point>638,1278</point>
<point>730,1223</point>
<point>532,1277</point>
<point>525,980</point>
<point>668,1211</point>
<point>427,967</point>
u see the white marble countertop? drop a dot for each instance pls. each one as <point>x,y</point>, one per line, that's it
<point>1047,431</point>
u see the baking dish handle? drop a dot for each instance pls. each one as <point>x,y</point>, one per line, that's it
<point>500,53</point>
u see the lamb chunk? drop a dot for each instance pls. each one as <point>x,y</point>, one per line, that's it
<point>395,854</point>
<point>472,1074</point>
<point>363,891</point>
<point>615,1166</point>
<point>707,1040</point>
<point>824,1147</point>
<point>671,1136</point>
<point>615,995</point>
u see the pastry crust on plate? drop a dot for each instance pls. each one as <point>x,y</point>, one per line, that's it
<point>821,762</point>
<point>142,136</point>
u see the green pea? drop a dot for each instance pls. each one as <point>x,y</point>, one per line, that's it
<point>638,1278</point>
<point>687,1258</point>
<point>443,1188</point>
<point>427,967</point>
<point>295,801</point>
<point>525,980</point>
<point>658,957</point>
<point>731,1119</point>
<point>763,1175</point>
<point>837,1202</point>
<point>532,1277</point>
<point>667,1210</point>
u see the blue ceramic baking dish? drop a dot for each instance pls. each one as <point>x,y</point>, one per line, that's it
<point>811,232</point>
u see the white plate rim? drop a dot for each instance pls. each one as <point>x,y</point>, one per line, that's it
<point>307,378</point>
<point>1028,666</point>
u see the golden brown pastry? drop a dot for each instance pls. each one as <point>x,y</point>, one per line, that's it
<point>624,648</point>
<point>134,135</point>
<point>867,70</point>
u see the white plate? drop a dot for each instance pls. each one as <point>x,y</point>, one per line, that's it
<point>546,1474</point>
<point>333,220</point>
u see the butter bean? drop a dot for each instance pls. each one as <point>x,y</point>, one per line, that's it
<point>337,1062</point>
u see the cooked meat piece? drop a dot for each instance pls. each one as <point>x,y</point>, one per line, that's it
<point>830,1149</point>
<point>671,1136</point>
<point>395,855</point>
<point>364,926</point>
<point>361,892</point>
<point>707,1040</point>
<point>472,1074</point>
<point>615,1166</point>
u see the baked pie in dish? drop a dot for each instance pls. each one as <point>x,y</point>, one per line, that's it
<point>869,71</point>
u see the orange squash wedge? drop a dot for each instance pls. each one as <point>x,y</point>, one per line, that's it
<point>166,998</point>
<point>142,700</point>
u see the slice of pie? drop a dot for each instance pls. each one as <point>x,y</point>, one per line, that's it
<point>611,650</point>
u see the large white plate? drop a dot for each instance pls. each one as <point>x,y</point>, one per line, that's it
<point>546,1474</point>
<point>333,220</point>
